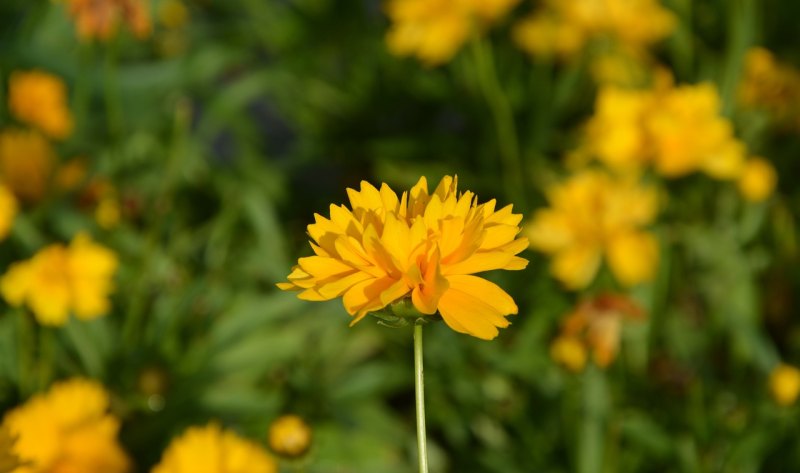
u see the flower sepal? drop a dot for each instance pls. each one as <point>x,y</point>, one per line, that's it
<point>400,314</point>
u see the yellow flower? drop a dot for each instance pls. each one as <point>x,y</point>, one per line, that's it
<point>173,14</point>
<point>211,449</point>
<point>421,246</point>
<point>564,26</point>
<point>784,384</point>
<point>26,163</point>
<point>434,30</point>
<point>101,18</point>
<point>688,134</point>
<point>757,180</point>
<point>594,214</point>
<point>8,210</point>
<point>770,85</point>
<point>60,280</point>
<point>615,133</point>
<point>570,352</point>
<point>546,35</point>
<point>677,130</point>
<point>67,429</point>
<point>40,99</point>
<point>289,436</point>
<point>597,324</point>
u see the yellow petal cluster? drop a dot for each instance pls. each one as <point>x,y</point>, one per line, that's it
<point>784,384</point>
<point>421,246</point>
<point>289,436</point>
<point>563,27</point>
<point>434,30</point>
<point>67,429</point>
<point>595,215</point>
<point>60,280</point>
<point>595,325</point>
<point>26,163</point>
<point>772,86</point>
<point>39,99</point>
<point>101,18</point>
<point>676,130</point>
<point>211,449</point>
<point>757,180</point>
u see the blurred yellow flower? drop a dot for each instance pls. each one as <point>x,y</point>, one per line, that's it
<point>26,163</point>
<point>784,384</point>
<point>70,175</point>
<point>564,26</point>
<point>173,14</point>
<point>615,134</point>
<point>8,211</point>
<point>289,436</point>
<point>67,429</point>
<point>594,214</point>
<point>770,85</point>
<point>421,246</point>
<point>546,35</point>
<point>60,280</point>
<point>101,18</point>
<point>596,323</point>
<point>688,133</point>
<point>434,30</point>
<point>570,352</point>
<point>211,449</point>
<point>757,180</point>
<point>677,130</point>
<point>40,99</point>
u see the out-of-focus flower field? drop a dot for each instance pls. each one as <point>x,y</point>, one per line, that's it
<point>161,162</point>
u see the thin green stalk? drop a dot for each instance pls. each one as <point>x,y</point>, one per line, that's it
<point>46,357</point>
<point>503,116</point>
<point>111,91</point>
<point>25,345</point>
<point>419,390</point>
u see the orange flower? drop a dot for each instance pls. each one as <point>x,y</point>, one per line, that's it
<point>421,248</point>
<point>598,323</point>
<point>26,163</point>
<point>40,99</point>
<point>101,18</point>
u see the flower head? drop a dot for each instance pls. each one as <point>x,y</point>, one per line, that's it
<point>565,26</point>
<point>60,280</point>
<point>594,215</point>
<point>784,384</point>
<point>101,18</point>
<point>757,180</point>
<point>289,436</point>
<point>770,85</point>
<point>597,323</point>
<point>40,99</point>
<point>422,247</point>
<point>212,449</point>
<point>677,130</point>
<point>26,163</point>
<point>434,30</point>
<point>67,429</point>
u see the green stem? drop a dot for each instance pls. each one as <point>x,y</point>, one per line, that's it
<point>419,390</point>
<point>503,116</point>
<point>25,345</point>
<point>45,357</point>
<point>111,91</point>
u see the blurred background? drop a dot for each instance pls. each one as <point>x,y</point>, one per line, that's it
<point>160,160</point>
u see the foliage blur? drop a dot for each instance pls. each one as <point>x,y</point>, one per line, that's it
<point>182,146</point>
